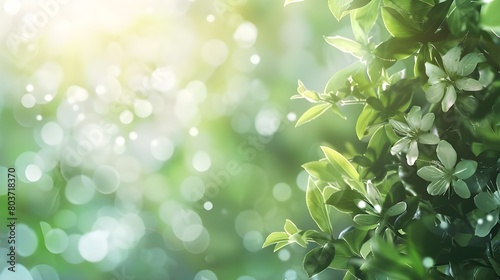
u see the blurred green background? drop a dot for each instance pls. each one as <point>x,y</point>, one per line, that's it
<point>155,139</point>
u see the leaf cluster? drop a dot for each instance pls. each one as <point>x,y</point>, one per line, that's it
<point>424,193</point>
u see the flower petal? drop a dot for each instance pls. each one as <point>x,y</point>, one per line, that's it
<point>428,139</point>
<point>438,187</point>
<point>434,73</point>
<point>412,154</point>
<point>451,60</point>
<point>446,154</point>
<point>430,173</point>
<point>400,145</point>
<point>414,117</point>
<point>427,121</point>
<point>465,169</point>
<point>449,98</point>
<point>461,188</point>
<point>434,93</point>
<point>469,62</point>
<point>402,128</point>
<point>468,84</point>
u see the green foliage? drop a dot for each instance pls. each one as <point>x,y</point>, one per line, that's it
<point>423,194</point>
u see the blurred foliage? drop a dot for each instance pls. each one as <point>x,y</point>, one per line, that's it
<point>422,193</point>
<point>153,139</point>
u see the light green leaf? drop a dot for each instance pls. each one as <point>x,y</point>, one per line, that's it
<point>340,163</point>
<point>317,207</point>
<point>288,2</point>
<point>318,259</point>
<point>489,14</point>
<point>485,202</point>
<point>486,223</point>
<point>299,239</point>
<point>468,84</point>
<point>446,154</point>
<point>396,209</point>
<point>373,194</point>
<point>337,81</point>
<point>321,170</point>
<point>367,116</point>
<point>346,45</point>
<point>45,228</point>
<point>465,169</point>
<point>460,187</point>
<point>397,24</point>
<point>438,187</point>
<point>280,245</point>
<point>366,220</point>
<point>290,227</point>
<point>275,237</point>
<point>363,19</point>
<point>449,98</point>
<point>428,139</point>
<point>339,8</point>
<point>313,113</point>
<point>430,173</point>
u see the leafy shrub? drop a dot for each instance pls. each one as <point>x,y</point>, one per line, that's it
<point>424,195</point>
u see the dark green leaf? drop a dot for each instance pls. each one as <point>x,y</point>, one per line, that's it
<point>436,16</point>
<point>318,259</point>
<point>407,216</point>
<point>396,209</point>
<point>397,48</point>
<point>366,220</point>
<point>375,103</point>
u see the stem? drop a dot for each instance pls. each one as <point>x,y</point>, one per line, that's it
<point>352,102</point>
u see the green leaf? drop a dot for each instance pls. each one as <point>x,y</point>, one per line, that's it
<point>436,16</point>
<point>345,200</point>
<point>342,165</point>
<point>366,220</point>
<point>340,8</point>
<point>365,119</point>
<point>322,170</point>
<point>460,187</point>
<point>363,19</point>
<point>446,154</point>
<point>489,14</point>
<point>290,227</point>
<point>465,169</point>
<point>313,113</point>
<point>373,194</point>
<point>430,173</point>
<point>486,223</point>
<point>397,24</point>
<point>299,239</point>
<point>354,237</point>
<point>280,245</point>
<point>45,228</point>
<point>275,237</point>
<point>343,253</point>
<point>346,45</point>
<point>318,259</point>
<point>397,48</point>
<point>412,207</point>
<point>451,60</point>
<point>375,103</point>
<point>485,202</point>
<point>396,209</point>
<point>317,207</point>
<point>337,81</point>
